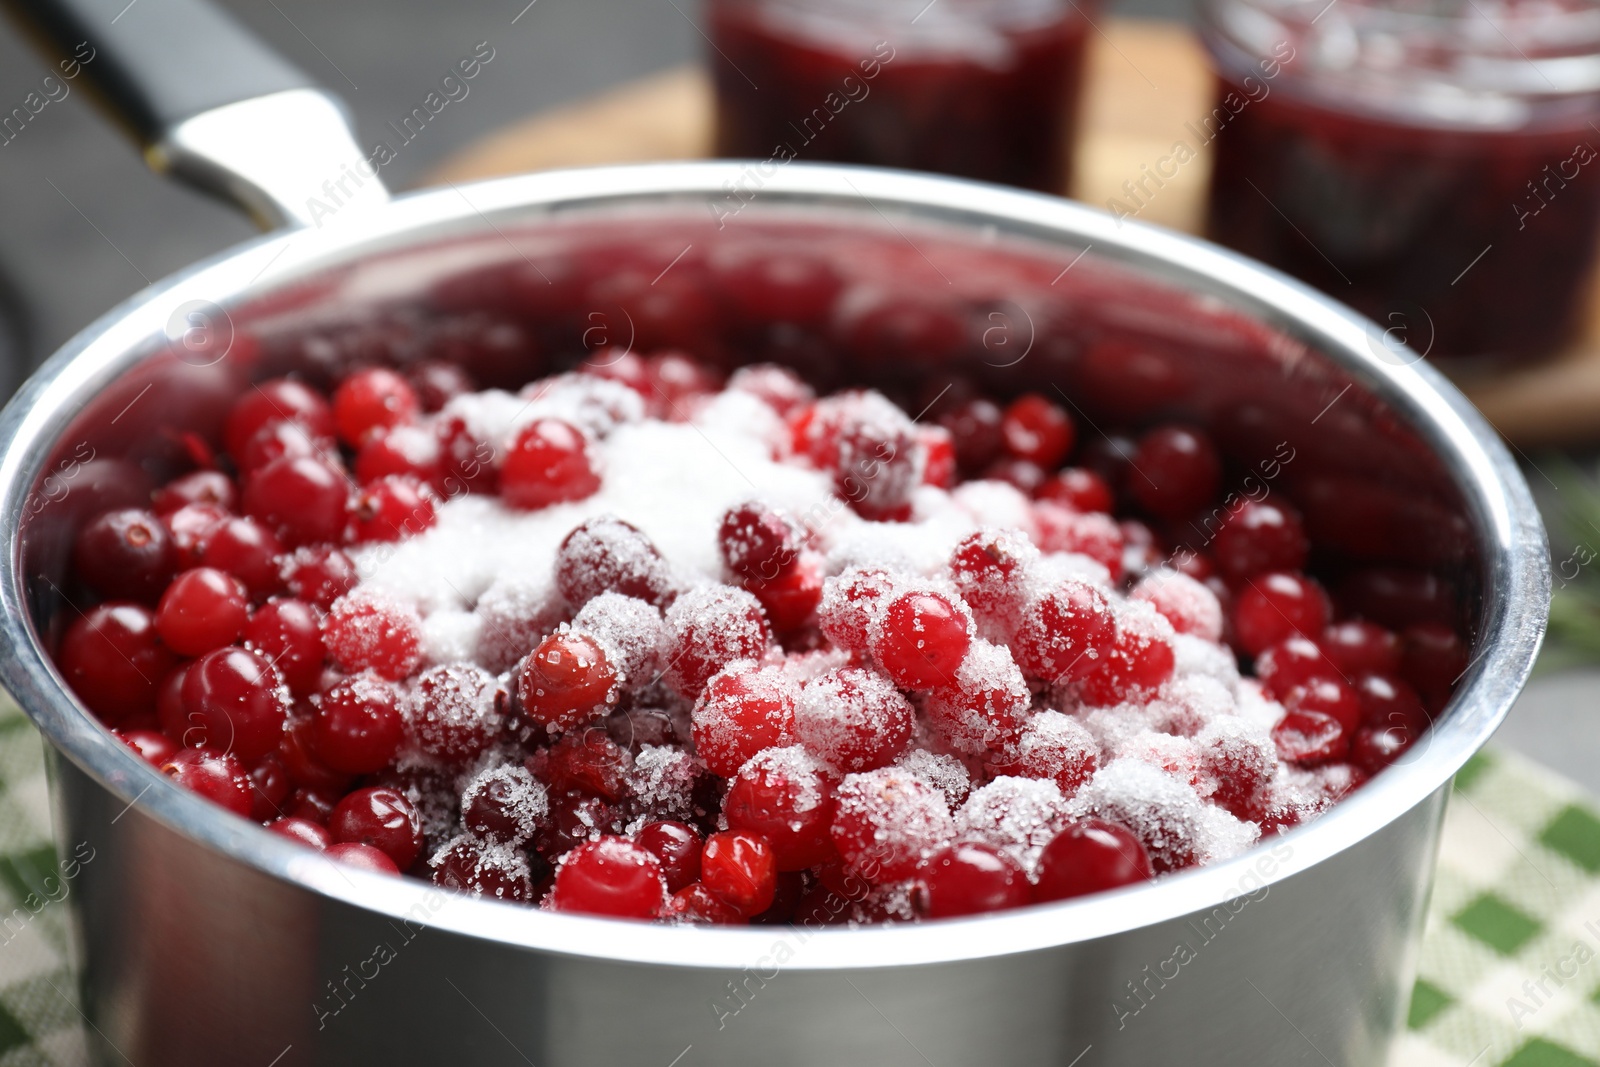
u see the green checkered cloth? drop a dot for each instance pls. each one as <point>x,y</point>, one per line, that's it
<point>1509,974</point>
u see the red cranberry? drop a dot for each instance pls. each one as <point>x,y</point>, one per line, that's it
<point>369,633</point>
<point>708,628</point>
<point>1375,747</point>
<point>1330,696</point>
<point>854,719</point>
<point>233,701</point>
<point>566,681</point>
<point>1078,488</point>
<point>371,401</point>
<point>742,711</point>
<point>922,640</point>
<point>938,456</point>
<point>1272,607</point>
<point>886,821</point>
<point>270,787</point>
<point>548,463</point>
<point>437,382</point>
<point>1090,856</point>
<point>304,499</point>
<point>1088,533</point>
<point>382,818</point>
<point>197,487</point>
<point>217,776</point>
<point>607,555</point>
<point>113,659</point>
<point>1065,632</point>
<point>676,846</point>
<point>190,529</point>
<point>738,866</point>
<point>468,463</point>
<point>409,450</point>
<point>791,599</point>
<point>125,555</point>
<point>698,904</point>
<point>590,762</point>
<point>1037,429</point>
<point>454,713</point>
<point>983,708</point>
<point>289,633</point>
<point>1261,536</point>
<point>975,427</point>
<point>989,568</point>
<point>305,766</point>
<point>1358,647</point>
<point>1189,605</point>
<point>505,804</point>
<point>247,550</point>
<point>1024,475</point>
<point>155,747</point>
<point>1433,660</point>
<point>610,876</point>
<point>358,725</point>
<point>319,575</point>
<point>851,604</point>
<point>201,610</point>
<point>1139,659</point>
<point>1292,662</point>
<point>1387,701</point>
<point>281,440</point>
<point>1309,737</point>
<point>392,508</point>
<point>313,805</point>
<point>279,400</point>
<point>757,542</point>
<point>363,857</point>
<point>969,879</point>
<point>482,869</point>
<point>1176,472</point>
<point>784,391</point>
<point>576,817</point>
<point>784,796</point>
<point>304,831</point>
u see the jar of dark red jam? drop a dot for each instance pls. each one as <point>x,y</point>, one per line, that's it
<point>1431,162</point>
<point>983,89</point>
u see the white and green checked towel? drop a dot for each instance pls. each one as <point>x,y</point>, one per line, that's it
<point>1509,972</point>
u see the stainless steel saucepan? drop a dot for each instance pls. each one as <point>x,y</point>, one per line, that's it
<point>204,940</point>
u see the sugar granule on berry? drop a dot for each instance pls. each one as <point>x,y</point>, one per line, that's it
<point>1017,816</point>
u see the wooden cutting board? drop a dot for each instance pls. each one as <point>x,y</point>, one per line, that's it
<point>1145,80</point>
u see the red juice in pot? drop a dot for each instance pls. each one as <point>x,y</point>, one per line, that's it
<point>982,89</point>
<point>1429,164</point>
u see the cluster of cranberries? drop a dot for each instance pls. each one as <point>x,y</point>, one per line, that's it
<point>793,740</point>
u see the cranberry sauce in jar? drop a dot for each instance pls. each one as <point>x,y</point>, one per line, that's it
<point>982,89</point>
<point>1430,164</point>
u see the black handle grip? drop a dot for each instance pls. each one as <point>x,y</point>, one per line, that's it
<point>154,63</point>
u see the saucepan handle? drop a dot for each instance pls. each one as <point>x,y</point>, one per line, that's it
<point>209,103</point>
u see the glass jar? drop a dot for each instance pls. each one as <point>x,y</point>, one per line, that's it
<point>983,89</point>
<point>1430,162</point>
